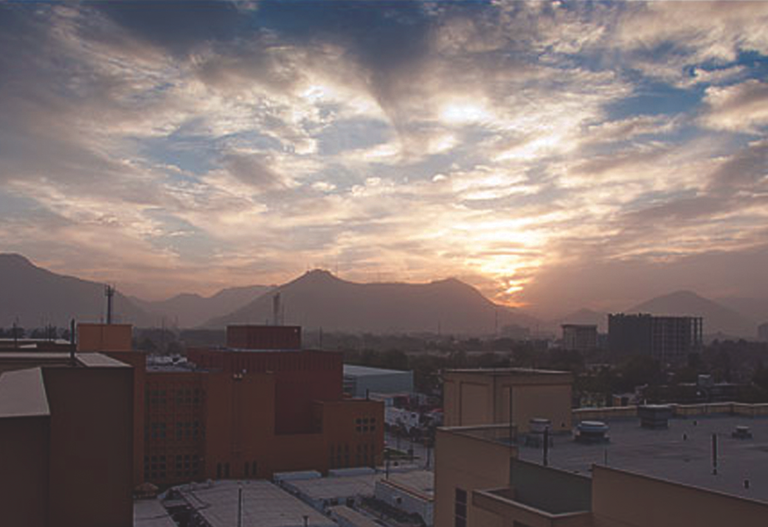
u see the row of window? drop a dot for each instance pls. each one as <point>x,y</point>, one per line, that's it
<point>339,456</point>
<point>157,467</point>
<point>184,430</point>
<point>365,424</point>
<point>161,397</point>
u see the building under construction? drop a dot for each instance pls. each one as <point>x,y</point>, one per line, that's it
<point>667,338</point>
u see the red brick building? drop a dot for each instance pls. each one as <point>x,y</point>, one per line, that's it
<point>248,413</point>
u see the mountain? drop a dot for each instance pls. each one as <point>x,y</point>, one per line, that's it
<point>189,310</point>
<point>319,299</point>
<point>753,308</point>
<point>584,316</point>
<point>717,318</point>
<point>37,297</point>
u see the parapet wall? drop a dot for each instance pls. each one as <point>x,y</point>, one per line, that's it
<point>678,410</point>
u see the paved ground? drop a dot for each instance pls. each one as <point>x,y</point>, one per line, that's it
<point>421,457</point>
<point>665,454</point>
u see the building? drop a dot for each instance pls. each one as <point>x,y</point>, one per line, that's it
<point>359,381</point>
<point>264,337</point>
<point>65,440</point>
<point>485,396</point>
<point>664,338</point>
<point>104,337</point>
<point>237,413</point>
<point>660,476</point>
<point>410,492</point>
<point>579,337</point>
<point>762,332</point>
<point>218,504</point>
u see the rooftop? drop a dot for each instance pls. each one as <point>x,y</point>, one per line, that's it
<point>264,505</point>
<point>682,453</point>
<point>150,513</point>
<point>320,489</point>
<point>421,482</point>
<point>22,394</point>
<point>507,371</point>
<point>362,371</point>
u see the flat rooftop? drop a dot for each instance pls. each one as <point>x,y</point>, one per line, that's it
<point>507,371</point>
<point>667,455</point>
<point>363,371</point>
<point>151,513</point>
<point>329,488</point>
<point>264,505</point>
<point>22,394</point>
<point>421,482</point>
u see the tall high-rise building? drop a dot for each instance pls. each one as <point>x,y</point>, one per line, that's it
<point>667,338</point>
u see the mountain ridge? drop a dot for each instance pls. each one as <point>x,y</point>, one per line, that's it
<point>36,297</point>
<point>447,305</point>
<point>717,318</point>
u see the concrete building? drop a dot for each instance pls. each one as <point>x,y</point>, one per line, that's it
<point>663,338</point>
<point>485,396</point>
<point>762,332</point>
<point>579,337</point>
<point>665,476</point>
<point>246,414</point>
<point>65,440</point>
<point>361,380</point>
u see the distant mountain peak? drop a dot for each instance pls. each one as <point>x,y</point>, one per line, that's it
<point>15,259</point>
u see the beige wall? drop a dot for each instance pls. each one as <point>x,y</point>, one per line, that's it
<point>486,467</point>
<point>622,499</point>
<point>482,397</point>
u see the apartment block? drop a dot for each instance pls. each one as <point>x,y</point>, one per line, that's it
<point>666,338</point>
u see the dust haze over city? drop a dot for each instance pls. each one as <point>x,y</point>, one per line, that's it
<point>396,263</point>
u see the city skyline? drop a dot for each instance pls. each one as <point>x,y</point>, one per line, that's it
<point>551,154</point>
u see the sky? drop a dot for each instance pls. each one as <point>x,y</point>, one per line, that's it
<point>556,155</point>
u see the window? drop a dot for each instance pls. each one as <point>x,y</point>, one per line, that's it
<point>218,471</point>
<point>226,470</point>
<point>460,510</point>
<point>253,469</point>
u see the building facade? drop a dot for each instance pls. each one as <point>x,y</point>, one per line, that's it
<point>65,440</point>
<point>665,338</point>
<point>579,337</point>
<point>485,396</point>
<point>248,413</point>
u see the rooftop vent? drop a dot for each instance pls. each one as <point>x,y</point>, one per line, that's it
<point>654,416</point>
<point>742,432</point>
<point>592,432</point>
<point>536,435</point>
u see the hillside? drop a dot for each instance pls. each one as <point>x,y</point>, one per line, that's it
<point>318,299</point>
<point>717,318</point>
<point>37,297</point>
<point>189,310</point>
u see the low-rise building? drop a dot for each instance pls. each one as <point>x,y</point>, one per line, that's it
<point>498,395</point>
<point>359,381</point>
<point>663,466</point>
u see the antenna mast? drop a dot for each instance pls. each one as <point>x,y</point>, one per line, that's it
<point>109,292</point>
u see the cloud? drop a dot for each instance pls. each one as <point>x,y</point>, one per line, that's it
<point>501,142</point>
<point>737,108</point>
